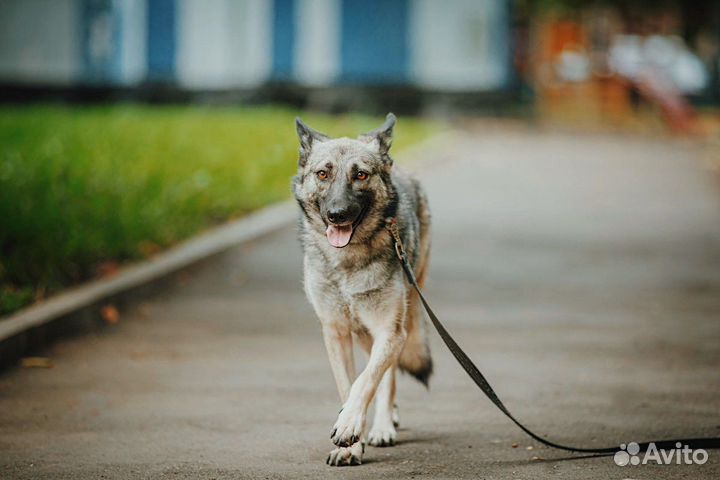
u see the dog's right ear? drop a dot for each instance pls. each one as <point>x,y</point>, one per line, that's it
<point>307,137</point>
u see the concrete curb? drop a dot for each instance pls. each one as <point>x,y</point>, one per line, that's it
<point>204,245</point>
<point>77,309</point>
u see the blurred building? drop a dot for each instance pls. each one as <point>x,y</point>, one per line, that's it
<point>612,59</point>
<point>207,45</point>
<point>599,58</point>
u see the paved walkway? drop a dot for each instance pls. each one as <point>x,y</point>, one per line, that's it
<point>580,272</point>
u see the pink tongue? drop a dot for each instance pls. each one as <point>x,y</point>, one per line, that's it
<point>339,236</point>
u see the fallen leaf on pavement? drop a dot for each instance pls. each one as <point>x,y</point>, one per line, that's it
<point>36,362</point>
<point>110,314</point>
<point>108,269</point>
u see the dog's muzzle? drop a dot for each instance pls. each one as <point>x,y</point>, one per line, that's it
<point>341,224</point>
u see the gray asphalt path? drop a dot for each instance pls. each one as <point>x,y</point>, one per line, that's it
<point>580,272</point>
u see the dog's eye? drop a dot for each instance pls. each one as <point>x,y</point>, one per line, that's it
<point>322,175</point>
<point>361,176</point>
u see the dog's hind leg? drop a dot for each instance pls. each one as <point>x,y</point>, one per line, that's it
<point>415,358</point>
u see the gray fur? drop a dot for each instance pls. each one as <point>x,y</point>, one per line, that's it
<point>365,268</point>
<point>347,190</point>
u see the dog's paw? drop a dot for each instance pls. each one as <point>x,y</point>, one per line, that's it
<point>348,428</point>
<point>396,416</point>
<point>346,456</point>
<point>382,436</point>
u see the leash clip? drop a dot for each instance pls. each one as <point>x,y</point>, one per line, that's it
<point>392,226</point>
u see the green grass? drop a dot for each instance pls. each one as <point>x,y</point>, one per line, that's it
<point>81,187</point>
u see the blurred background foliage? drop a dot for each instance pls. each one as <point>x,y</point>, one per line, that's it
<point>83,188</point>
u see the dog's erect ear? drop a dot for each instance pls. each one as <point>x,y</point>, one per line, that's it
<point>383,135</point>
<point>307,137</point>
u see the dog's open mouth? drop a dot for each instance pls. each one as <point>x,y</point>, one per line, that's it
<point>339,235</point>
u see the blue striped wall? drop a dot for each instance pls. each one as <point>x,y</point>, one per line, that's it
<point>463,45</point>
<point>503,40</point>
<point>283,38</point>
<point>374,41</point>
<point>161,39</point>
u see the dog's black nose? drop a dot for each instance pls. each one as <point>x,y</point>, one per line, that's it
<point>341,215</point>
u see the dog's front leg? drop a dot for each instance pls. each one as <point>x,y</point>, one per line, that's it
<point>338,342</point>
<point>383,431</point>
<point>388,332</point>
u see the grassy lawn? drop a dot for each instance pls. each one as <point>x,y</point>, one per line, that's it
<point>85,188</point>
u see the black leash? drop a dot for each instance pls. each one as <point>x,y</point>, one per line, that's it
<point>482,383</point>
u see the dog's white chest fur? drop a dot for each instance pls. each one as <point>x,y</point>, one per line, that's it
<point>362,292</point>
<point>366,281</point>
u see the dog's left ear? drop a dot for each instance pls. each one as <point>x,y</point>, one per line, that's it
<point>307,137</point>
<point>383,135</point>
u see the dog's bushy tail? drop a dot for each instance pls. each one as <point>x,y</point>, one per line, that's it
<point>415,358</point>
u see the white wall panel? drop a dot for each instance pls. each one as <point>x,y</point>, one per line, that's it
<point>40,41</point>
<point>223,43</point>
<point>133,38</point>
<point>317,45</point>
<point>459,45</point>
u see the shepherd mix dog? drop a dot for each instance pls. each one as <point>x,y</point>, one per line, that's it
<point>348,190</point>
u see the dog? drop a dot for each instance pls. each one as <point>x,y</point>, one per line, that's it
<point>348,190</point>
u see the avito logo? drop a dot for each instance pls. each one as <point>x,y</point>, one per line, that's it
<point>680,455</point>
